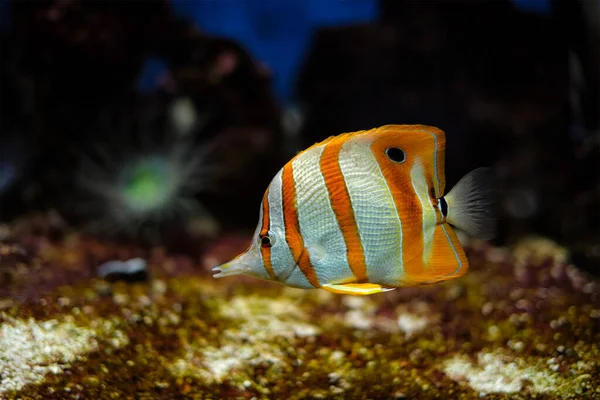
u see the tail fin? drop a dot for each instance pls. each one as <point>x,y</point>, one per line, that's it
<point>471,204</point>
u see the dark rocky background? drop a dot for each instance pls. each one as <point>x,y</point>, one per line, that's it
<point>513,89</point>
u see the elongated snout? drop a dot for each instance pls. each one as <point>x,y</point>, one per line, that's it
<point>233,267</point>
<point>247,263</point>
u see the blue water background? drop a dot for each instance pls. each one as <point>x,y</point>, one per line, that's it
<point>278,32</point>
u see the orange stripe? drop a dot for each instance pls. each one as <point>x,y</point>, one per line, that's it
<point>407,203</point>
<point>342,207</point>
<point>292,234</point>
<point>448,261</point>
<point>266,251</point>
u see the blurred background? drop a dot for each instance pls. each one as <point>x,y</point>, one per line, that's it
<point>163,122</point>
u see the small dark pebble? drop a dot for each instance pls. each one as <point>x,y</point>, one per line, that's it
<point>133,270</point>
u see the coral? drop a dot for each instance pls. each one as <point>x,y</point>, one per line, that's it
<point>496,374</point>
<point>522,323</point>
<point>262,332</point>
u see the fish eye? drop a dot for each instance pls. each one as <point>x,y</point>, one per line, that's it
<point>267,241</point>
<point>396,154</point>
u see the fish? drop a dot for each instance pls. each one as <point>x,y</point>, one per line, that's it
<point>365,212</point>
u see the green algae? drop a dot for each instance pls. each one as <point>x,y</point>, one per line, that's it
<point>498,332</point>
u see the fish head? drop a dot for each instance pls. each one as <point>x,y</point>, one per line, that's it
<point>259,260</point>
<point>268,256</point>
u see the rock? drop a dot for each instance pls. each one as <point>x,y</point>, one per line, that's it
<point>133,270</point>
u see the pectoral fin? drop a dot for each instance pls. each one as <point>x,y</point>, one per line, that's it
<point>356,289</point>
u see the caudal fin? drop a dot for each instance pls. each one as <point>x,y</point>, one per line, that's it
<point>471,204</point>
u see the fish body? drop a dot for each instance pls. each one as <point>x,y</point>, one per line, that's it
<point>365,212</point>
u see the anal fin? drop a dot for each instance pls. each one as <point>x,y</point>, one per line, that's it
<point>356,289</point>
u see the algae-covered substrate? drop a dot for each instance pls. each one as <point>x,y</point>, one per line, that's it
<point>522,323</point>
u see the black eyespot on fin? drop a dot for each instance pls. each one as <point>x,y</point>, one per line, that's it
<point>444,207</point>
<point>396,154</point>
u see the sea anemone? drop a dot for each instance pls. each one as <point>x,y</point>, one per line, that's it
<point>146,188</point>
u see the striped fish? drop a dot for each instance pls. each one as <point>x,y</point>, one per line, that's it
<point>365,212</point>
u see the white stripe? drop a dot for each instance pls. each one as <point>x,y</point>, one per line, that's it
<point>256,233</point>
<point>319,226</point>
<point>282,258</point>
<point>260,221</point>
<point>254,249</point>
<point>438,194</point>
<point>378,223</point>
<point>419,184</point>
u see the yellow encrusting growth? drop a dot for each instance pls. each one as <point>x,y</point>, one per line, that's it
<point>261,326</point>
<point>495,372</point>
